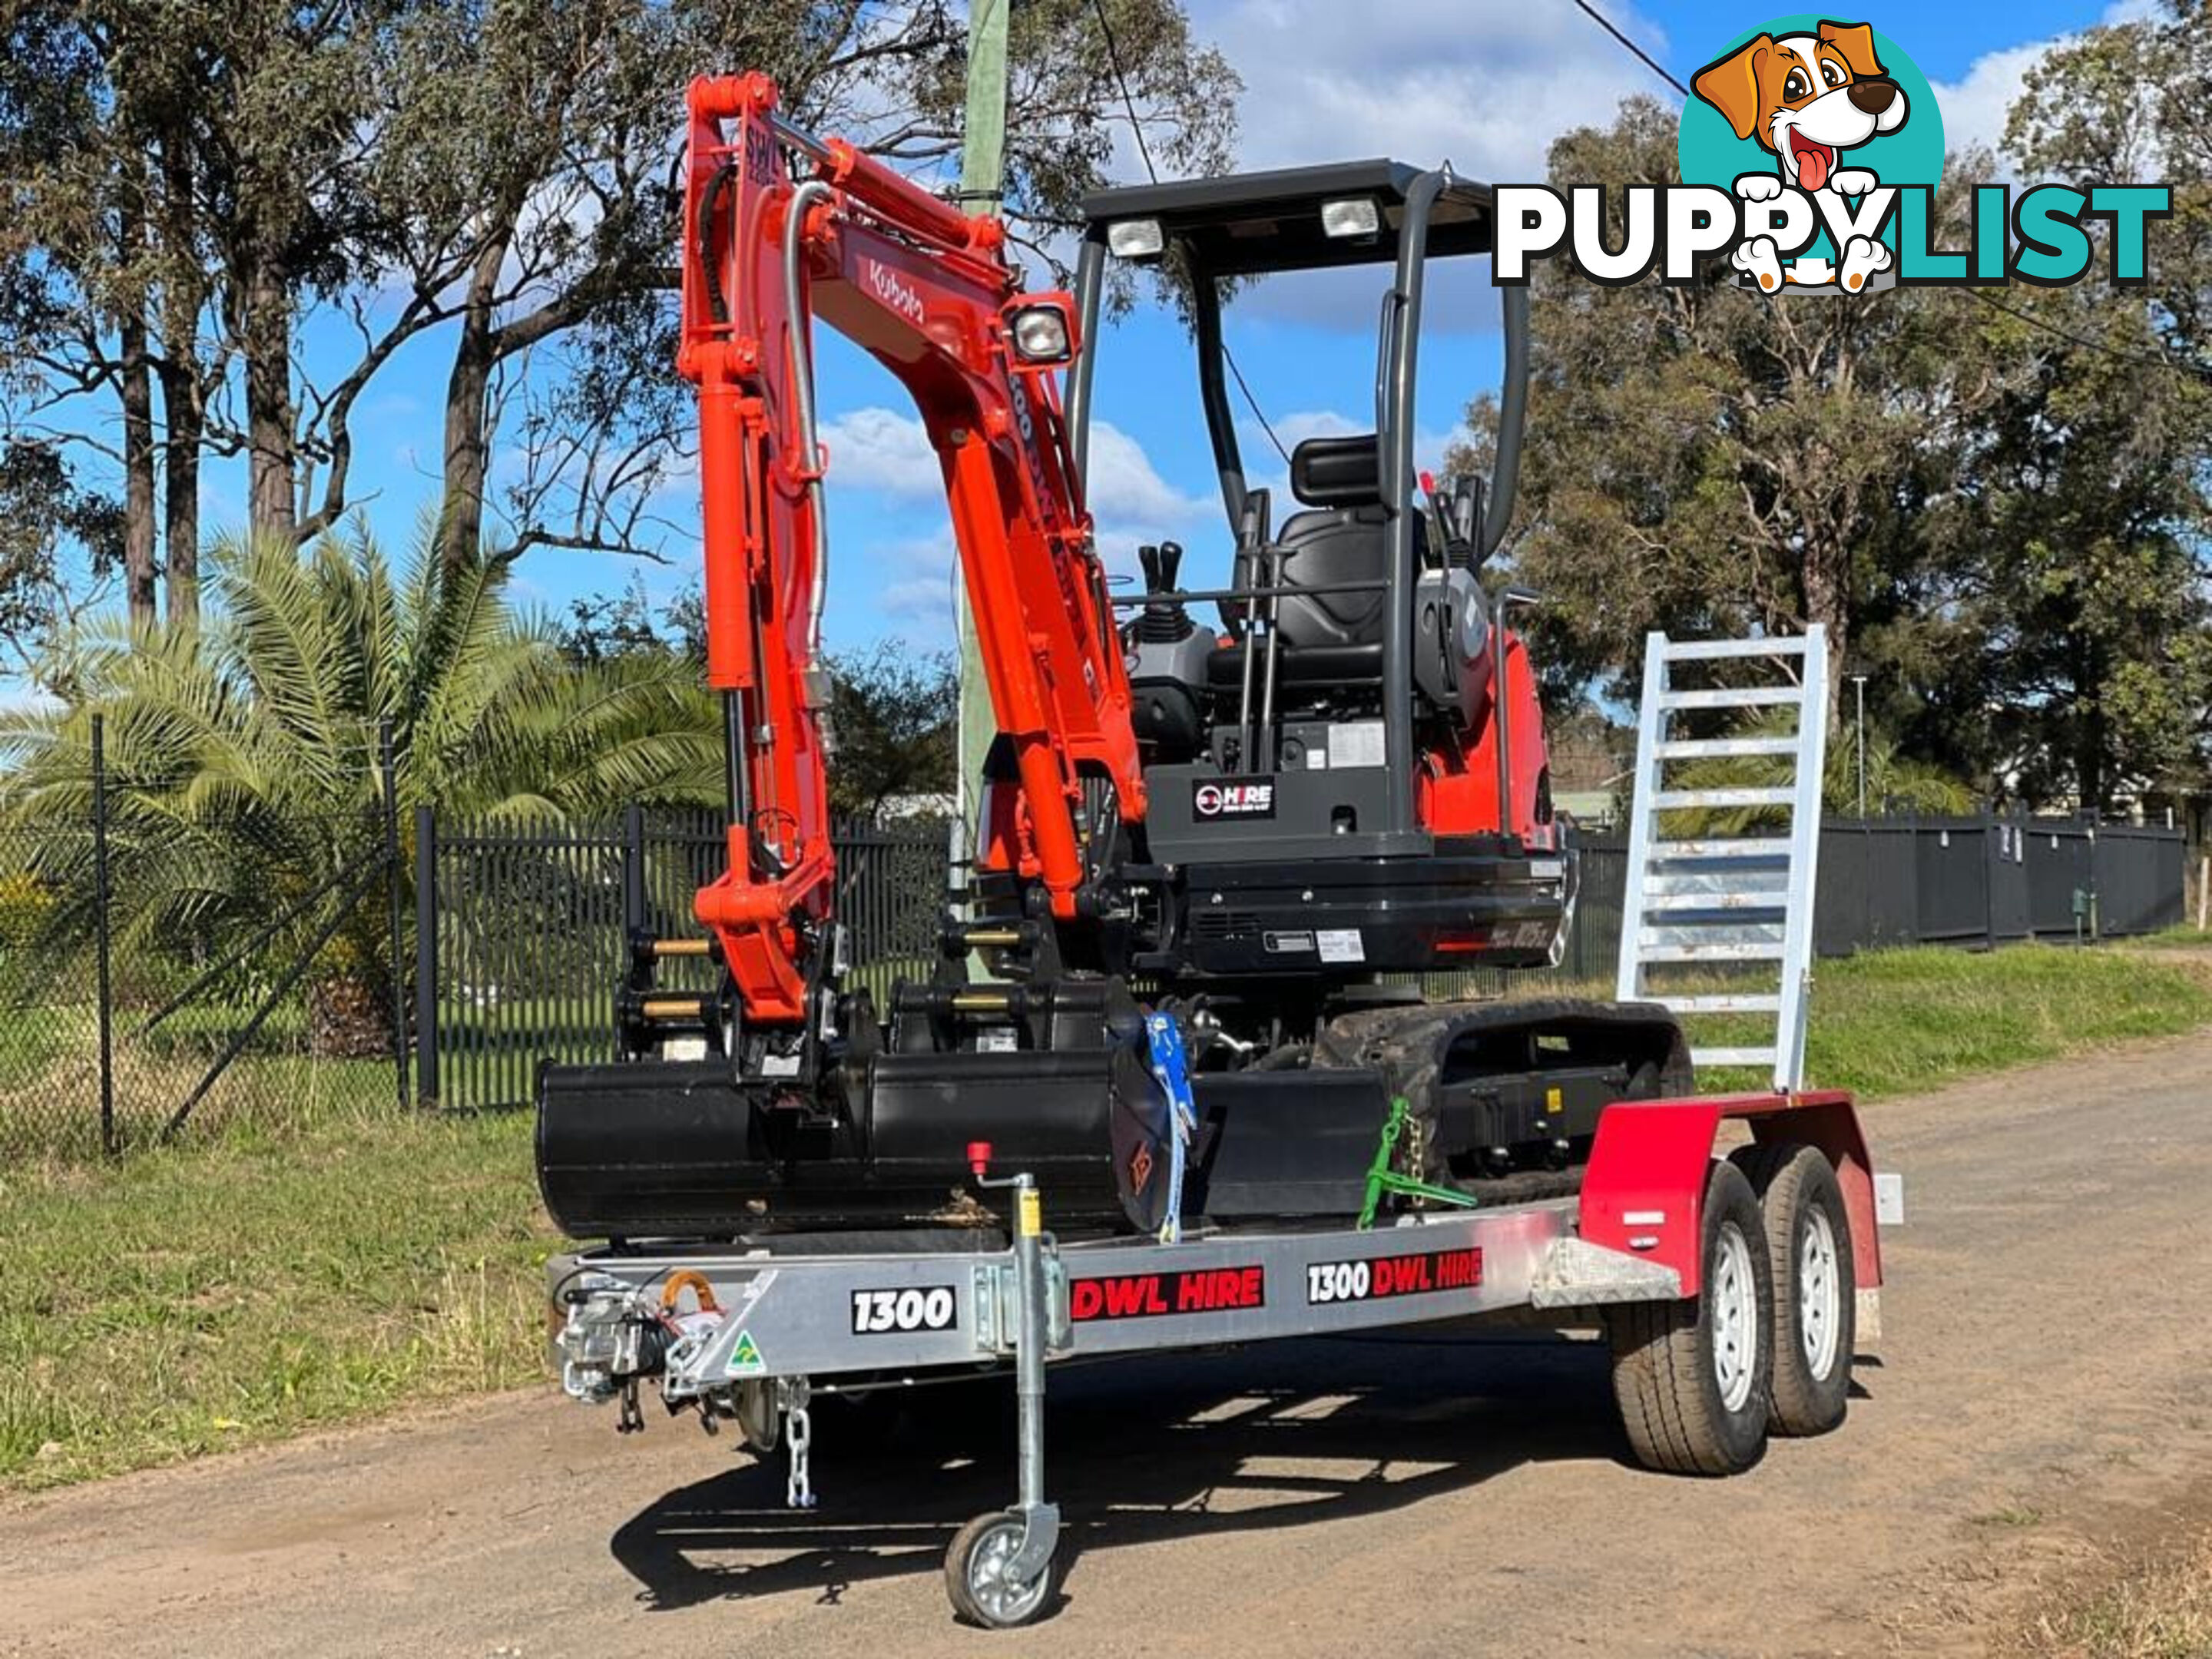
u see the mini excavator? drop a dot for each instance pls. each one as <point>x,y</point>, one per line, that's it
<point>1224,836</point>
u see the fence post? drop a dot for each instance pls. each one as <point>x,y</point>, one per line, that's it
<point>390,769</point>
<point>635,918</point>
<point>100,927</point>
<point>426,958</point>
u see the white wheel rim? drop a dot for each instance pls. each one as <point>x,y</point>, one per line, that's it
<point>1004,1598</point>
<point>1820,1293</point>
<point>1735,1321</point>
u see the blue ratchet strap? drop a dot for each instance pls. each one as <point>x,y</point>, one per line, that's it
<point>1171,1068</point>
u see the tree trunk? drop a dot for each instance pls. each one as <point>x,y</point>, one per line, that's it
<point>184,390</point>
<point>468,391</point>
<point>137,395</point>
<point>1827,602</point>
<point>185,414</point>
<point>271,507</point>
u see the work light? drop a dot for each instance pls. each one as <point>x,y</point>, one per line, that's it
<point>1136,239</point>
<point>1355,215</point>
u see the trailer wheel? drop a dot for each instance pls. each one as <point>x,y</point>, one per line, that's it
<point>1808,1243</point>
<point>1693,1376</point>
<point>976,1579</point>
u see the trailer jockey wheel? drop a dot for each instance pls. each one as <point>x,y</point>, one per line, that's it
<point>976,1576</point>
<point>1808,1245</point>
<point>1694,1378</point>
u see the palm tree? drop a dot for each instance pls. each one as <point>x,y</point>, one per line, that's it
<point>243,763</point>
<point>1895,782</point>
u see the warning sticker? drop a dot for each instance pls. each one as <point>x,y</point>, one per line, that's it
<point>1150,1296</point>
<point>1341,944</point>
<point>1378,1277</point>
<point>745,1359</point>
<point>1356,742</point>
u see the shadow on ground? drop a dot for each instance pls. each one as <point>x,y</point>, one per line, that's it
<point>1286,1435</point>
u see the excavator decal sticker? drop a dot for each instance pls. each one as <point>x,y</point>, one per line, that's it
<point>1234,798</point>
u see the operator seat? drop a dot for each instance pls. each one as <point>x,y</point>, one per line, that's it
<point>1327,642</point>
<point>1343,537</point>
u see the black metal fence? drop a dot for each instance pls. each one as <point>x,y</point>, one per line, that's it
<point>1968,881</point>
<point>284,1000</point>
<point>522,932</point>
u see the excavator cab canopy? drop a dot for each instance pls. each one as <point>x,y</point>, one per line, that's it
<point>1357,546</point>
<point>1348,213</point>
<point>1211,233</point>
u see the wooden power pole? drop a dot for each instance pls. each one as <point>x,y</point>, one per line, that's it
<point>982,187</point>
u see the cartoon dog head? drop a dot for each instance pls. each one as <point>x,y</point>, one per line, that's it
<point>1806,97</point>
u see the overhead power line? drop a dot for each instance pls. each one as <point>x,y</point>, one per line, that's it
<point>1137,128</point>
<point>1642,56</point>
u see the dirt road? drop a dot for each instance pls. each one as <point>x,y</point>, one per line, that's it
<point>2043,1392</point>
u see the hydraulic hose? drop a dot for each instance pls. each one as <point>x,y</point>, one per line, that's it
<point>802,376</point>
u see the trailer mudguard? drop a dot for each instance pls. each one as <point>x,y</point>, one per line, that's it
<point>1643,1193</point>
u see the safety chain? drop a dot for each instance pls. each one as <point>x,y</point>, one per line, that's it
<point>798,1438</point>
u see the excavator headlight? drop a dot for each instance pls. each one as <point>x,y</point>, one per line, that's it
<point>1136,239</point>
<point>1355,215</point>
<point>1040,333</point>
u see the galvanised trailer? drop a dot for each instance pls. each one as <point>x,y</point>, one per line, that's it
<point>1734,1291</point>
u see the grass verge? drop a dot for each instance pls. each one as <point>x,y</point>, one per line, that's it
<point>2160,1609</point>
<point>222,1294</point>
<point>264,1280</point>
<point>1901,1021</point>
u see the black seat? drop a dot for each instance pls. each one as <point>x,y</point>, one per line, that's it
<point>1344,537</point>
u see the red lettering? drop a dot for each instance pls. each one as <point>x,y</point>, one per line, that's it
<point>1084,1299</point>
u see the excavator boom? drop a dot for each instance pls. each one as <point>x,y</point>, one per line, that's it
<point>782,229</point>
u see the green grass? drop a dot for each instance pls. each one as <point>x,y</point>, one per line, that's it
<point>1902,1022</point>
<point>2181,936</point>
<point>1892,1023</point>
<point>210,1297</point>
<point>334,1261</point>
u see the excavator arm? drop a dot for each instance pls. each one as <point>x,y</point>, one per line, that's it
<point>782,228</point>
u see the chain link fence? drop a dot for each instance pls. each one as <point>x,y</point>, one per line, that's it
<point>164,972</point>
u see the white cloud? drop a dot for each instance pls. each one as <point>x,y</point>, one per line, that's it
<point>1486,87</point>
<point>1976,105</point>
<point>1127,488</point>
<point>881,449</point>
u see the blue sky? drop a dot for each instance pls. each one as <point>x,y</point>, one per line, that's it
<point>1484,83</point>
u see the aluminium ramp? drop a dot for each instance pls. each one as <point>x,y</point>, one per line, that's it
<point>1739,904</point>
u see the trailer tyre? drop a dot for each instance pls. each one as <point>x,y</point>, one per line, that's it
<point>1808,1245</point>
<point>976,1579</point>
<point>1693,1376</point>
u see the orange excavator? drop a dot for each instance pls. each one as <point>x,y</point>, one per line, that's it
<point>1225,836</point>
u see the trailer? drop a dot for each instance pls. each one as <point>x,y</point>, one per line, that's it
<point>1734,1289</point>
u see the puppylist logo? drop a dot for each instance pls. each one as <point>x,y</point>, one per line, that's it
<point>1810,153</point>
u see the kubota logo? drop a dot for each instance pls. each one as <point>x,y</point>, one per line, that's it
<point>1811,151</point>
<point>894,291</point>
